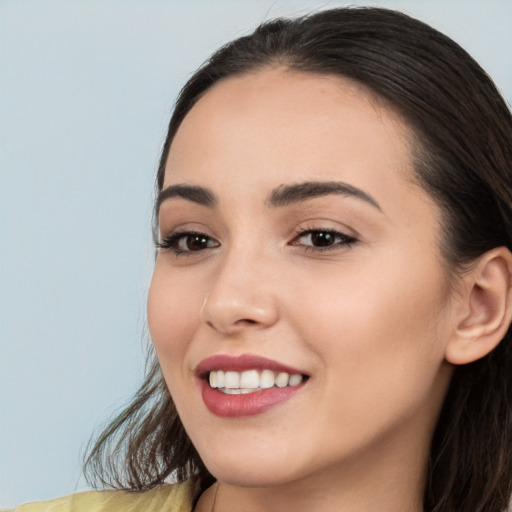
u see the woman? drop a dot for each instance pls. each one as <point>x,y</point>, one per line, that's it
<point>331,294</point>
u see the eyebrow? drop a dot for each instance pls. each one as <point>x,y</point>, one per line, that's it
<point>282,196</point>
<point>199,195</point>
<point>291,194</point>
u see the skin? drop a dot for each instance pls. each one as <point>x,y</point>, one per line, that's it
<point>368,321</point>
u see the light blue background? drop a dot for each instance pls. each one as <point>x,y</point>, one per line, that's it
<point>86,88</point>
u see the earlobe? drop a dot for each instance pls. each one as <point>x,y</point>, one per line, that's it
<point>487,308</point>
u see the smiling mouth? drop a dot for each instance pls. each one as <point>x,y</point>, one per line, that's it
<point>247,384</point>
<point>252,381</point>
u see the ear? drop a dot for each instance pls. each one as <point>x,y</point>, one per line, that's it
<point>486,308</point>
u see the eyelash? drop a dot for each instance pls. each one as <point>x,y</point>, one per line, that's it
<point>172,241</point>
<point>344,240</point>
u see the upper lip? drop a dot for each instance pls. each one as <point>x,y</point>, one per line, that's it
<point>241,363</point>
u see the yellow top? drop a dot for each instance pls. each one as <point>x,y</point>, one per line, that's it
<point>165,498</point>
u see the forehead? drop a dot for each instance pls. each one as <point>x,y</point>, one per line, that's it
<point>279,126</point>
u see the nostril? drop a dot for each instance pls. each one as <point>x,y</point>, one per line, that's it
<point>247,321</point>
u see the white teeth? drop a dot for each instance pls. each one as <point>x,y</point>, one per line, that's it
<point>231,380</point>
<point>235,383</point>
<point>267,379</point>
<point>282,379</point>
<point>295,379</point>
<point>250,379</point>
<point>240,391</point>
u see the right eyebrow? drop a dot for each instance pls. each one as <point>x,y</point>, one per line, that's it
<point>199,195</point>
<point>299,192</point>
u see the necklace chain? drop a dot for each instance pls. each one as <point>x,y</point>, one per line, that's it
<point>215,496</point>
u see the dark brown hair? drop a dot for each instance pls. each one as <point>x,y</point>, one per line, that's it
<point>463,159</point>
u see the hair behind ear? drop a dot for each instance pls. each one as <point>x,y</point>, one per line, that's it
<point>470,457</point>
<point>470,462</point>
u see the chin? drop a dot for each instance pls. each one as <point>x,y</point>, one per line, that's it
<point>253,467</point>
<point>245,475</point>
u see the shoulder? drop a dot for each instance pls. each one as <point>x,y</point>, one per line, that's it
<point>165,498</point>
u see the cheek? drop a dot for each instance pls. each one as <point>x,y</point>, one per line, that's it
<point>380,333</point>
<point>389,300</point>
<point>381,353</point>
<point>173,312</point>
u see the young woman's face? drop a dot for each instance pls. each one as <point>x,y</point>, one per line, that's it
<point>296,248</point>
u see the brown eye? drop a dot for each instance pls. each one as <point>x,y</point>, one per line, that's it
<point>181,243</point>
<point>193,243</point>
<point>323,239</point>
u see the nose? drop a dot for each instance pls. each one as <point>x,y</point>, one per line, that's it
<point>241,296</point>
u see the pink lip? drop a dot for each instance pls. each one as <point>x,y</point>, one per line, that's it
<point>249,404</point>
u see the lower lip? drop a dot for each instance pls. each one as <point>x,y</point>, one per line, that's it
<point>249,404</point>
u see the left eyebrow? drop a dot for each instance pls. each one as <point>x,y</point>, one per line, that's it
<point>198,195</point>
<point>297,193</point>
